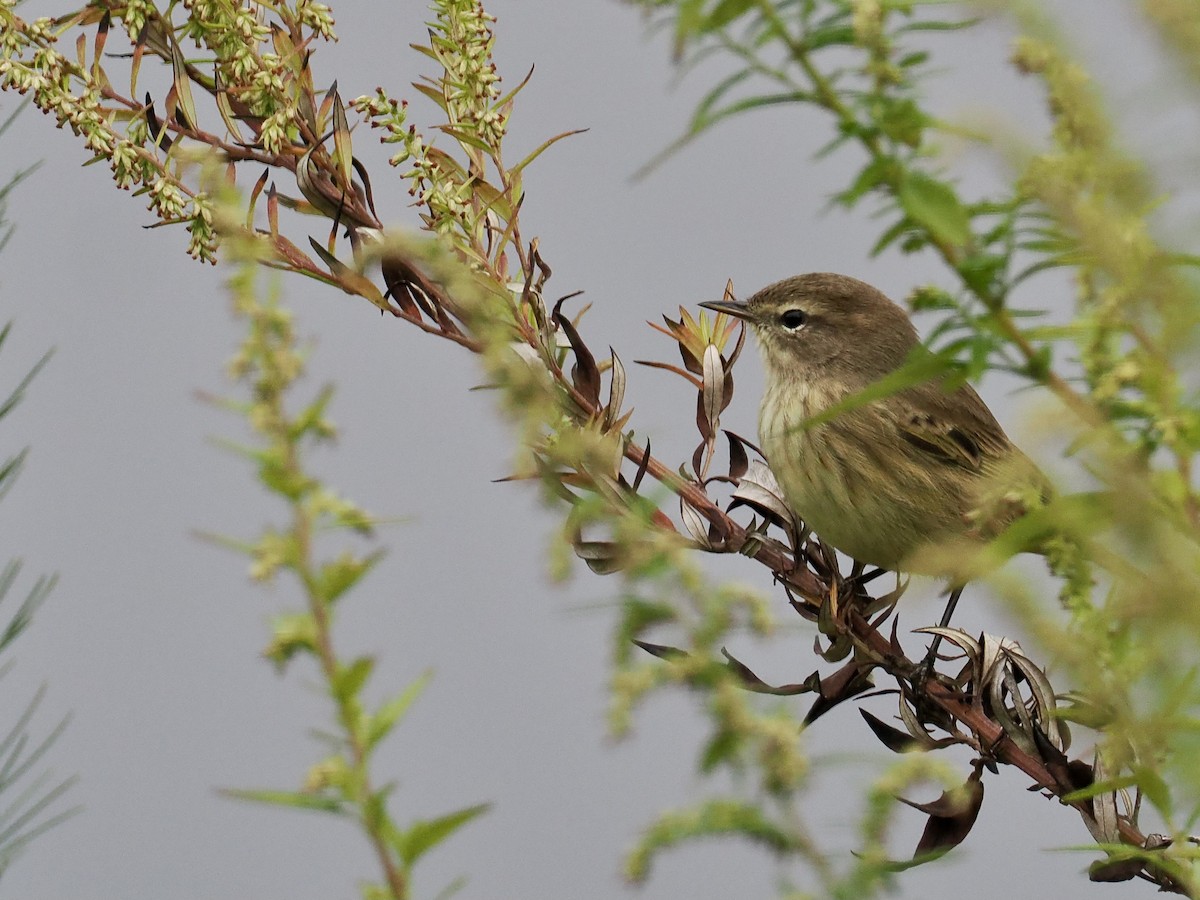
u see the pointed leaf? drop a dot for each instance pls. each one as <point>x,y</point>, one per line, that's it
<point>752,682</point>
<point>893,738</point>
<point>759,490</point>
<point>616,390</point>
<point>294,799</point>
<point>713,393</point>
<point>343,149</point>
<point>183,88</point>
<point>935,205</point>
<point>951,816</point>
<point>696,524</point>
<point>393,711</point>
<point>585,374</point>
<point>416,840</point>
<point>349,679</point>
<point>661,650</point>
<point>225,108</point>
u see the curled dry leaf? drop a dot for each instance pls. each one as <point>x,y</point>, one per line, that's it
<point>958,637</point>
<point>893,738</point>
<point>913,723</point>
<point>752,682</point>
<point>181,84</point>
<point>708,413</point>
<point>742,672</point>
<point>616,391</point>
<point>759,490</point>
<point>951,816</point>
<point>1104,808</point>
<point>343,151</point>
<point>660,650</point>
<point>1111,870</point>
<point>696,524</point>
<point>585,374</point>
<point>848,681</point>
<point>602,557</point>
<point>739,459</point>
<point>1002,661</point>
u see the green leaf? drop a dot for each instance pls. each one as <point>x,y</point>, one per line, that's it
<point>349,679</point>
<point>390,714</point>
<point>291,633</point>
<point>1155,789</point>
<point>725,12</point>
<point>542,148</point>
<point>890,235</point>
<point>465,138</point>
<point>833,35</point>
<point>293,799</point>
<point>689,21</point>
<point>873,174</point>
<point>422,836</point>
<point>723,747</point>
<point>343,573</point>
<point>934,205</point>
<point>433,94</point>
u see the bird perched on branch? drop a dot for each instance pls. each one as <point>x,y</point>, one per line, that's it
<point>870,448</point>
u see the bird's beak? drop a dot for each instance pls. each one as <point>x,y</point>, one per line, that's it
<point>735,308</point>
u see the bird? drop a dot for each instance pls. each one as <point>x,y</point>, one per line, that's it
<point>910,480</point>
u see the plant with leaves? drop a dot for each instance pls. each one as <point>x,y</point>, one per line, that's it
<point>1119,368</point>
<point>270,362</point>
<point>31,812</point>
<point>480,282</point>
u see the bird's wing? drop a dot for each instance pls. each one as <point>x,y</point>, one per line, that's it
<point>956,429</point>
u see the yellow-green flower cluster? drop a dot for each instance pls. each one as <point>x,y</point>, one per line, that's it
<point>392,116</point>
<point>463,45</point>
<point>318,17</point>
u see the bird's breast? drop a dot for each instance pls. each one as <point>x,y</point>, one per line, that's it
<point>847,478</point>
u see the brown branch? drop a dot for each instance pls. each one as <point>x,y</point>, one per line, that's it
<point>944,700</point>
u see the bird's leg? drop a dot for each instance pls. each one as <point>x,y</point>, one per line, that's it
<point>931,656</point>
<point>857,581</point>
<point>870,576</point>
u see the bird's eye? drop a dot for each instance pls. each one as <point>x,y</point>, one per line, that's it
<point>794,319</point>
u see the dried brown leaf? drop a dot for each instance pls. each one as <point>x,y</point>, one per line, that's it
<point>585,374</point>
<point>739,460</point>
<point>343,148</point>
<point>712,396</point>
<point>660,650</point>
<point>1110,870</point>
<point>182,86</point>
<point>893,738</point>
<point>642,467</point>
<point>696,524</point>
<point>759,490</point>
<point>752,682</point>
<point>698,456</point>
<point>602,557</point>
<point>255,192</point>
<point>653,364</point>
<point>225,108</point>
<point>848,681</point>
<point>616,390</point>
<point>951,816</point>
<point>158,134</point>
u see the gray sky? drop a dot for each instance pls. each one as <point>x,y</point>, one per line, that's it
<point>152,636</point>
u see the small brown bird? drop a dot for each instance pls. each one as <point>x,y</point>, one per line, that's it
<point>905,482</point>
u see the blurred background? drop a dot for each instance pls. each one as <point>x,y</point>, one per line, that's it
<point>152,638</point>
